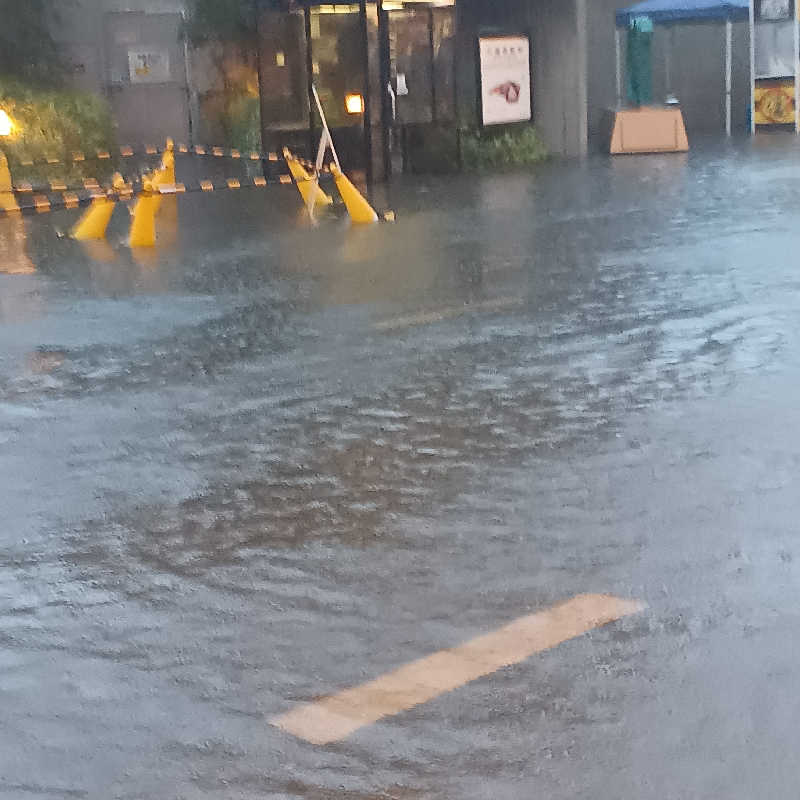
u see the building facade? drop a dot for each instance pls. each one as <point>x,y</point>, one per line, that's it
<point>133,53</point>
<point>400,80</point>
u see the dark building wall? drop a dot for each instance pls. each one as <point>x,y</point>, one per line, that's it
<point>741,76</point>
<point>558,40</point>
<point>697,68</point>
<point>473,18</point>
<point>601,61</point>
<point>79,32</point>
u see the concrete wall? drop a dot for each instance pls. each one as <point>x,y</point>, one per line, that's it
<point>560,75</point>
<point>601,66</point>
<point>146,113</point>
<point>95,36</point>
<point>78,28</point>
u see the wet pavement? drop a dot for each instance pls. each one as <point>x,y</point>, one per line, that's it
<point>266,463</point>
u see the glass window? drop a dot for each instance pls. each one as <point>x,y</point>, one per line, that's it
<point>337,52</point>
<point>411,64</point>
<point>444,77</point>
<point>284,101</point>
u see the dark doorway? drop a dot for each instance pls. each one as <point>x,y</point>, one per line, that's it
<point>385,73</point>
<point>419,69</point>
<point>339,71</point>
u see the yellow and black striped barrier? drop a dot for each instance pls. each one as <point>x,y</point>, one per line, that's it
<point>127,151</point>
<point>59,195</point>
<point>148,190</point>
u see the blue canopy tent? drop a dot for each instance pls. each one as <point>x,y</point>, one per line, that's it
<point>665,12</point>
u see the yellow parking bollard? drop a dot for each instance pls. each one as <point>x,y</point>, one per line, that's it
<point>143,226</point>
<point>358,208</point>
<point>308,187</point>
<point>94,222</point>
<point>8,202</point>
<point>166,173</point>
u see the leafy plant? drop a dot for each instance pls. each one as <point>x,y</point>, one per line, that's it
<point>53,123</point>
<point>242,121</point>
<point>436,149</point>
<point>512,147</point>
<point>27,50</point>
<point>226,30</point>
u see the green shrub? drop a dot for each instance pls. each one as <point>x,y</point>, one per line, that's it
<point>54,123</point>
<point>511,147</point>
<point>436,149</point>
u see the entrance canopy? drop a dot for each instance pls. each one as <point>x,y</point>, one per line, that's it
<point>665,11</point>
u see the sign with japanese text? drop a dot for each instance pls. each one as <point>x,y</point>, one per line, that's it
<point>148,66</point>
<point>505,79</point>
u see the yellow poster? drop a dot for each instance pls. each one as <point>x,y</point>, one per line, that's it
<point>774,103</point>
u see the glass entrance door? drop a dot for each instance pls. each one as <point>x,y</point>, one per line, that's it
<point>338,67</point>
<point>420,85</point>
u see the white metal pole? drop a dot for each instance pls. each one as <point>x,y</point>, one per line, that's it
<point>618,42</point>
<point>796,71</point>
<point>326,134</point>
<point>752,68</point>
<point>728,74</point>
<point>668,58</point>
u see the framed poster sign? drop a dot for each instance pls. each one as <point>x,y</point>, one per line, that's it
<point>505,74</point>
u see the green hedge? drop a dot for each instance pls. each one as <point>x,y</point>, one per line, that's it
<point>510,147</point>
<point>436,148</point>
<point>54,123</point>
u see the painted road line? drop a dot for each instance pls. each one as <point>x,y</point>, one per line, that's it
<point>441,314</point>
<point>336,717</point>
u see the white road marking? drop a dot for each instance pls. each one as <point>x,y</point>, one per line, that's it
<point>441,314</point>
<point>336,717</point>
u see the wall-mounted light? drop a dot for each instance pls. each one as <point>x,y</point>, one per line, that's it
<point>6,125</point>
<point>354,103</point>
<point>280,58</point>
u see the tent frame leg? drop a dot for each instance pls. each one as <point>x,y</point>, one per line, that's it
<point>728,74</point>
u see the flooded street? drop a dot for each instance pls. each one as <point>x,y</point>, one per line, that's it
<point>267,462</point>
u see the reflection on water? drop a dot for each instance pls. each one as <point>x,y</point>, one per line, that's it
<point>43,361</point>
<point>99,250</point>
<point>14,258</point>
<point>214,458</point>
<point>167,223</point>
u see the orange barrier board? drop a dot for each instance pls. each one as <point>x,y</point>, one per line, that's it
<point>649,129</point>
